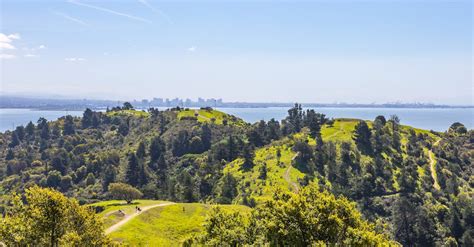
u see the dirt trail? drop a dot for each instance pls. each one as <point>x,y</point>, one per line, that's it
<point>129,217</point>
<point>286,176</point>
<point>432,166</point>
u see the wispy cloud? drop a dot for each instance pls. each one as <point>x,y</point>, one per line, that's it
<point>192,48</point>
<point>74,59</point>
<point>7,56</point>
<point>30,55</point>
<point>68,17</point>
<point>109,11</point>
<point>156,10</point>
<point>6,44</point>
<point>6,40</point>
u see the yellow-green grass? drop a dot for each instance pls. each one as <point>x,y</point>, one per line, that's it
<point>111,214</point>
<point>207,116</point>
<point>134,113</point>
<point>341,130</point>
<point>282,176</point>
<point>167,226</point>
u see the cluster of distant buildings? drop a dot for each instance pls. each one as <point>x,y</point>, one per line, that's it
<point>81,104</point>
<point>160,102</point>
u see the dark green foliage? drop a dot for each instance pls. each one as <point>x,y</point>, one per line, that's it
<point>228,189</point>
<point>68,127</point>
<point>157,149</point>
<point>362,137</point>
<point>127,106</point>
<point>43,128</point>
<point>295,119</point>
<point>141,150</point>
<point>15,140</point>
<point>132,174</point>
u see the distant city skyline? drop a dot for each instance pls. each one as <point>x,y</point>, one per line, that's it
<point>259,51</point>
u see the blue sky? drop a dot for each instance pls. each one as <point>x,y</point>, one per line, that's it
<point>305,51</point>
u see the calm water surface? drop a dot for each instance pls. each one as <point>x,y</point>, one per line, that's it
<point>431,119</point>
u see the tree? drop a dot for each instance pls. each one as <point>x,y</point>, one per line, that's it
<point>248,154</point>
<point>30,129</point>
<point>87,118</point>
<point>121,191</point>
<point>295,118</point>
<point>228,189</point>
<point>362,137</point>
<point>141,152</point>
<point>15,140</point>
<point>458,128</point>
<point>132,174</point>
<point>263,171</point>
<point>123,128</point>
<point>68,126</point>
<point>180,144</point>
<point>380,119</point>
<point>44,128</point>
<point>47,218</point>
<point>403,220</point>
<point>20,131</point>
<point>314,121</point>
<point>206,137</point>
<point>157,149</point>
<point>127,106</point>
<point>310,218</point>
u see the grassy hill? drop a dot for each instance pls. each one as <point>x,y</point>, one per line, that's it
<point>210,116</point>
<point>161,226</point>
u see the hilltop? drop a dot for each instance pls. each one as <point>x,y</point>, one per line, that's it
<point>393,172</point>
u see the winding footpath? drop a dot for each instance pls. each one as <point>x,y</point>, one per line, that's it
<point>127,218</point>
<point>432,166</point>
<point>286,176</point>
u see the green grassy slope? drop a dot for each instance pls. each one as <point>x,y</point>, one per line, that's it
<point>161,226</point>
<point>111,214</point>
<point>281,174</point>
<point>215,116</point>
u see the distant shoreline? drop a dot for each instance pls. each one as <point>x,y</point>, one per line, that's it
<point>52,104</point>
<point>81,108</point>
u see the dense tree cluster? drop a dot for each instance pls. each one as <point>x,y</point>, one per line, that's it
<point>47,218</point>
<point>310,218</point>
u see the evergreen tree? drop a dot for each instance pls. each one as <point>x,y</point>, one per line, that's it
<point>15,140</point>
<point>403,220</point>
<point>20,131</point>
<point>68,127</point>
<point>228,188</point>
<point>206,137</point>
<point>314,121</point>
<point>141,152</point>
<point>295,118</point>
<point>30,129</point>
<point>362,137</point>
<point>157,149</point>
<point>132,174</point>
<point>87,118</point>
<point>44,128</point>
<point>248,154</point>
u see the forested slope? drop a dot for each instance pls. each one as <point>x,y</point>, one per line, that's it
<point>415,185</point>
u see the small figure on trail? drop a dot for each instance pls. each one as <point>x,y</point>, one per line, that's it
<point>139,209</point>
<point>184,209</point>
